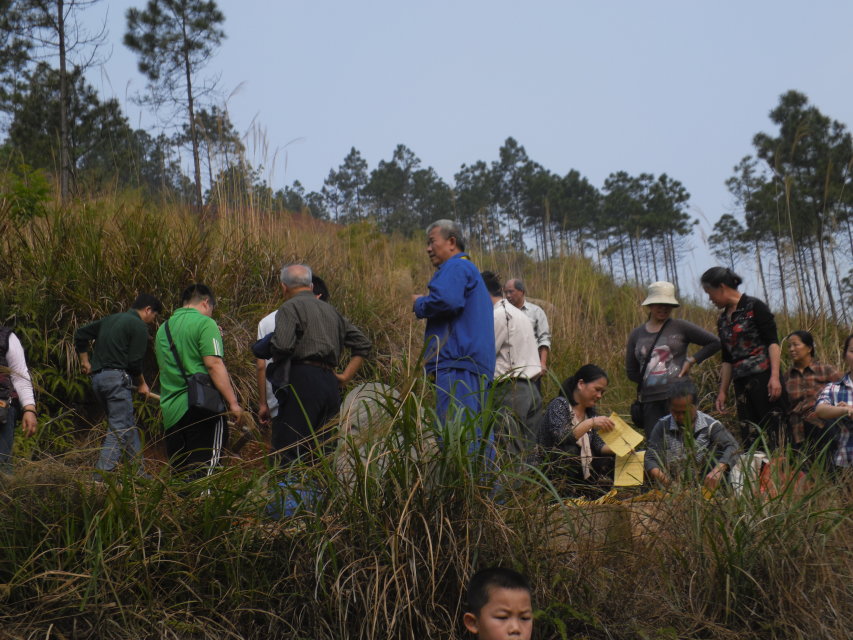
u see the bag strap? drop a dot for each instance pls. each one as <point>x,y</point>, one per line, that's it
<point>649,357</point>
<point>175,350</point>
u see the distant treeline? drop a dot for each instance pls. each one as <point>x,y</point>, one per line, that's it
<point>790,219</point>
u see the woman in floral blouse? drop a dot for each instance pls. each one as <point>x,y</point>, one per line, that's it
<point>573,455</point>
<point>751,356</point>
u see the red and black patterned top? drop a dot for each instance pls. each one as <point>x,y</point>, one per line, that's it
<point>746,337</point>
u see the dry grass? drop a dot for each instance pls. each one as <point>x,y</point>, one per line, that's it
<point>386,546</point>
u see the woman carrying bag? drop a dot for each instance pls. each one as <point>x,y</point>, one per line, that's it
<point>656,355</point>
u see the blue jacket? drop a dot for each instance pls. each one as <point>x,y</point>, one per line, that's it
<point>460,331</point>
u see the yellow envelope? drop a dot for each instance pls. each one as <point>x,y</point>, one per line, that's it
<point>629,469</point>
<point>622,439</point>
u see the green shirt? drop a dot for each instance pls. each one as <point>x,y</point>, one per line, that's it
<point>120,342</point>
<point>195,336</point>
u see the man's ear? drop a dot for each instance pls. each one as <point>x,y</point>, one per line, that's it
<point>471,622</point>
<point>283,288</point>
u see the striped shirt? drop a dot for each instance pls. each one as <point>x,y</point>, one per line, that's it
<point>834,394</point>
<point>309,329</point>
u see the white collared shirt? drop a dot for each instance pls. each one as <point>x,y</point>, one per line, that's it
<point>539,320</point>
<point>515,344</point>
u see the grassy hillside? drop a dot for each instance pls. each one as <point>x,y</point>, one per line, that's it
<point>385,547</point>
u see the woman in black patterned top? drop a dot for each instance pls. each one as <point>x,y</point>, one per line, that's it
<point>751,355</point>
<point>573,455</point>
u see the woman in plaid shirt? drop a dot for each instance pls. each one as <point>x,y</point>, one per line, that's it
<point>835,406</point>
<point>804,381</point>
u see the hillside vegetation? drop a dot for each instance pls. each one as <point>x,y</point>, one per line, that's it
<point>384,547</point>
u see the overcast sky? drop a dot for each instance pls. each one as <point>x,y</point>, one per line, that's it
<point>676,87</point>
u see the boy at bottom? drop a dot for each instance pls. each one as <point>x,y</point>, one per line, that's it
<point>499,605</point>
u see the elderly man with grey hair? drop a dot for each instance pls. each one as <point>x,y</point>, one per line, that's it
<point>310,334</point>
<point>460,333</point>
<point>515,292</point>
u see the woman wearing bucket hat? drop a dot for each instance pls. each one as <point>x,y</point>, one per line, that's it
<point>657,353</point>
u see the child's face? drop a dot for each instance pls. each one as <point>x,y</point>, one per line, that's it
<point>507,614</point>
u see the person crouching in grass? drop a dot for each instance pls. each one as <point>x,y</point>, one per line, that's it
<point>689,439</point>
<point>499,605</point>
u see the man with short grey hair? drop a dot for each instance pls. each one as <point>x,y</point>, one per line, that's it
<point>311,334</point>
<point>295,275</point>
<point>460,333</point>
<point>515,292</point>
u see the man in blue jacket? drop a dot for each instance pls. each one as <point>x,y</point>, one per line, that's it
<point>460,333</point>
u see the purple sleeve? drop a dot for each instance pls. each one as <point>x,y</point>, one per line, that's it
<point>697,335</point>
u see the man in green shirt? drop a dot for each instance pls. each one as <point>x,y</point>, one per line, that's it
<point>194,437</point>
<point>120,343</point>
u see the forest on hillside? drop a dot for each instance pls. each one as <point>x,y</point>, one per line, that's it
<point>791,221</point>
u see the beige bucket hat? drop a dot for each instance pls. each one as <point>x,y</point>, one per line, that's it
<point>661,293</point>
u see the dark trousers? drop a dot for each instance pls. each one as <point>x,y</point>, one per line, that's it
<point>521,406</point>
<point>757,414</point>
<point>312,399</point>
<point>196,442</point>
<point>7,437</point>
<point>653,411</point>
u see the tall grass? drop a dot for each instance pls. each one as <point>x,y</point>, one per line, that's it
<point>391,523</point>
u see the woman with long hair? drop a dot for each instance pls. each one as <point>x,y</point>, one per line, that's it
<point>751,355</point>
<point>656,356</point>
<point>573,454</point>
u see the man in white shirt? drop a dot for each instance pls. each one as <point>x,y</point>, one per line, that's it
<point>517,368</point>
<point>515,292</point>
<point>15,384</point>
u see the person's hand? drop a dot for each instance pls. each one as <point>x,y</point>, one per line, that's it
<point>685,368</point>
<point>846,407</point>
<point>240,416</point>
<point>602,423</point>
<point>143,389</point>
<point>774,389</point>
<point>659,475</point>
<point>28,423</point>
<point>712,480</point>
<point>86,366</point>
<point>264,413</point>
<point>720,404</point>
<point>342,379</point>
<point>415,297</point>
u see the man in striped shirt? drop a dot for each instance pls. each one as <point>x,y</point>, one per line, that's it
<point>311,335</point>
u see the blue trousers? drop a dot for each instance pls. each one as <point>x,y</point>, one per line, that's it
<point>113,390</point>
<point>459,396</point>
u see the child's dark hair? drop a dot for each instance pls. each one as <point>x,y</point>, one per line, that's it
<point>588,373</point>
<point>492,578</point>
<point>716,276</point>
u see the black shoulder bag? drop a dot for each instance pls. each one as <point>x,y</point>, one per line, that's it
<point>201,392</point>
<point>637,405</point>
